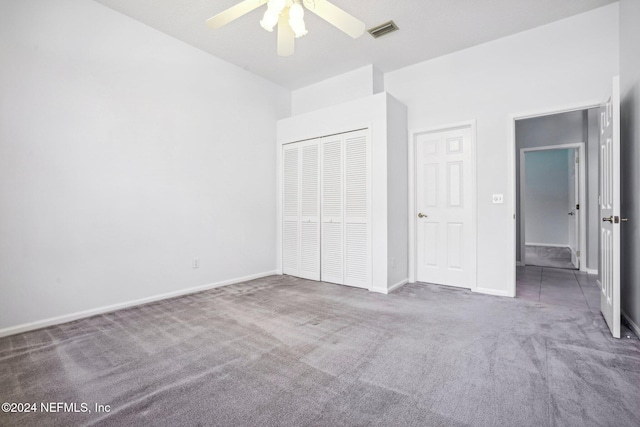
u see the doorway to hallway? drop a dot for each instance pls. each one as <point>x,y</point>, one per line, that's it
<point>556,165</point>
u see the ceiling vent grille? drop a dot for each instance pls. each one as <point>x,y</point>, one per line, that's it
<point>381,30</point>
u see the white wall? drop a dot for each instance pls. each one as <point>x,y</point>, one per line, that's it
<point>124,154</point>
<point>546,197</point>
<point>568,62</point>
<point>359,83</point>
<point>630,162</point>
<point>397,193</point>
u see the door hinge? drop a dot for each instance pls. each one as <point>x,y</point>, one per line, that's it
<point>578,207</point>
<point>577,254</point>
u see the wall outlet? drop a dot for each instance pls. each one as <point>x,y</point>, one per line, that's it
<point>498,199</point>
<point>196,263</point>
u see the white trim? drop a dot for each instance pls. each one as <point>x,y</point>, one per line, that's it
<point>391,288</point>
<point>511,124</point>
<point>592,271</point>
<point>557,110</point>
<point>547,245</point>
<point>633,325</point>
<point>495,292</point>
<point>397,285</point>
<point>25,327</point>
<point>582,213</point>
<point>471,124</point>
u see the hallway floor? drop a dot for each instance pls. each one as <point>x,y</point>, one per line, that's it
<point>569,288</point>
<point>546,256</point>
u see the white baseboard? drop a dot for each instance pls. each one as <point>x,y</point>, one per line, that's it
<point>549,245</point>
<point>387,291</point>
<point>592,271</point>
<point>488,291</point>
<point>633,325</point>
<point>397,285</point>
<point>25,327</point>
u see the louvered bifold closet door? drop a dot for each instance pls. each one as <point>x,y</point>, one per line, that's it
<point>357,216</point>
<point>291,209</point>
<point>333,209</point>
<point>310,210</point>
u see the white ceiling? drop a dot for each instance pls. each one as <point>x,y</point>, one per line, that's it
<point>428,29</point>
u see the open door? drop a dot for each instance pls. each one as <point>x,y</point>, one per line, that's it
<point>610,209</point>
<point>574,206</point>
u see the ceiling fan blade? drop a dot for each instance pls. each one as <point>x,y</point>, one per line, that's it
<point>286,37</point>
<point>233,13</point>
<point>336,17</point>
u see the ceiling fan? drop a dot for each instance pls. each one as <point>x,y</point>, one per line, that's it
<point>288,16</point>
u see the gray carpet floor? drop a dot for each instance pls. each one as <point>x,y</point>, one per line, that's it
<point>282,351</point>
<point>547,256</point>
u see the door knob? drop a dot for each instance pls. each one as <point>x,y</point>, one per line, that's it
<point>610,219</point>
<point>571,213</point>
<point>421,215</point>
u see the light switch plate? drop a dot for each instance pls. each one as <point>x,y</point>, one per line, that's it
<point>498,199</point>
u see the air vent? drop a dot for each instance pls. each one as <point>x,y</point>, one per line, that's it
<point>381,30</point>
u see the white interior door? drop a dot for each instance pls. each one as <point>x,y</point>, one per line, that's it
<point>291,209</point>
<point>301,210</point>
<point>445,244</point>
<point>610,210</point>
<point>574,201</point>
<point>357,209</point>
<point>310,210</point>
<point>333,209</point>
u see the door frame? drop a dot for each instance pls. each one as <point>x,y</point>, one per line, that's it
<point>582,212</point>
<point>413,253</point>
<point>511,238</point>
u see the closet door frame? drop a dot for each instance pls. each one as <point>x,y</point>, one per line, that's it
<point>366,127</point>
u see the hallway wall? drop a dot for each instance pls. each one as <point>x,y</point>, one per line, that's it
<point>630,162</point>
<point>546,197</point>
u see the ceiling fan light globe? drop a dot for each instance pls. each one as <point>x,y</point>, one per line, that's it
<point>276,6</point>
<point>269,20</point>
<point>298,30</point>
<point>296,19</point>
<point>296,11</point>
